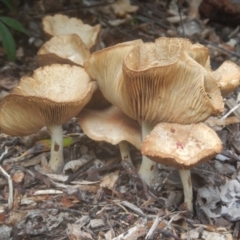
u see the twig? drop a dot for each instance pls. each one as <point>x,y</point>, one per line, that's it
<point>230,111</point>
<point>180,15</point>
<point>133,233</point>
<point>10,183</point>
<point>220,48</point>
<point>153,228</point>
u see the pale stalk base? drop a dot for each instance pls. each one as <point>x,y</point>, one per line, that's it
<point>124,150</point>
<point>56,160</point>
<point>149,169</point>
<point>187,188</point>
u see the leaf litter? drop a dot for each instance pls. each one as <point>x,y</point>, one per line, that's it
<point>98,196</point>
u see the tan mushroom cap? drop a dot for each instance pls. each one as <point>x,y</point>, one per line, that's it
<point>63,49</point>
<point>63,25</point>
<point>110,125</point>
<point>105,66</point>
<point>200,54</point>
<point>52,96</point>
<point>167,81</point>
<point>181,146</point>
<point>228,77</point>
<point>122,7</point>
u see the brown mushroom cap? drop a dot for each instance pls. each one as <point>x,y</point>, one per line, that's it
<point>181,146</point>
<point>228,77</point>
<point>110,125</point>
<point>167,81</point>
<point>52,96</point>
<point>63,25</point>
<point>105,66</point>
<point>63,49</point>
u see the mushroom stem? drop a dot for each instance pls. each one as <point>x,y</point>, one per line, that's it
<point>124,150</point>
<point>56,160</point>
<point>187,188</point>
<point>148,170</point>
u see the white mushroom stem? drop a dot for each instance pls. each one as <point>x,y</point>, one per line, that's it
<point>56,160</point>
<point>148,170</point>
<point>187,188</point>
<point>124,150</point>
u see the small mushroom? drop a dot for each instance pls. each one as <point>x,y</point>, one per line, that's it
<point>182,147</point>
<point>122,7</point>
<point>228,77</point>
<point>51,97</point>
<point>63,49</point>
<point>63,25</point>
<point>113,126</point>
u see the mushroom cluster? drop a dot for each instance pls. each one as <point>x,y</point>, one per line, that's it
<point>152,95</point>
<point>168,81</point>
<point>58,90</point>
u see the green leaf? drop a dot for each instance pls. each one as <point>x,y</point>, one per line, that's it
<point>14,24</point>
<point>9,3</point>
<point>8,42</point>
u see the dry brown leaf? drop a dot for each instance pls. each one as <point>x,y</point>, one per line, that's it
<point>216,236</point>
<point>18,177</point>
<point>122,7</point>
<point>69,201</point>
<point>109,180</point>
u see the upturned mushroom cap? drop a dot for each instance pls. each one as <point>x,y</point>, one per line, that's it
<point>167,81</point>
<point>181,146</point>
<point>63,49</point>
<point>52,96</point>
<point>105,66</point>
<point>110,125</point>
<point>228,77</point>
<point>63,25</point>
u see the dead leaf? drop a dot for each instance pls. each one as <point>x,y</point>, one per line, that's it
<point>75,233</point>
<point>74,165</point>
<point>122,7</point>
<point>216,236</point>
<point>18,177</point>
<point>109,180</point>
<point>69,201</point>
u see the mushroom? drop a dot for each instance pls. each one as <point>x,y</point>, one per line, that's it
<point>122,7</point>
<point>113,126</point>
<point>63,49</point>
<point>182,147</point>
<point>63,25</point>
<point>166,81</point>
<point>228,77</point>
<point>52,96</point>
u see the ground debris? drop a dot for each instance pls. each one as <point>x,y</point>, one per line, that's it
<point>97,196</point>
